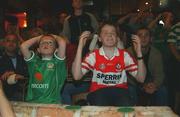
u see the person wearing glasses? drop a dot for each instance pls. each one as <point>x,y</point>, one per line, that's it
<point>47,68</point>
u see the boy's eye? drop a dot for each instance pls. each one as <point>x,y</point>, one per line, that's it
<point>46,43</point>
<point>110,33</point>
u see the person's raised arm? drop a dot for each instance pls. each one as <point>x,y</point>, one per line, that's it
<point>62,46</point>
<point>5,107</point>
<point>122,19</point>
<point>141,74</point>
<point>153,23</point>
<point>76,66</point>
<point>27,44</point>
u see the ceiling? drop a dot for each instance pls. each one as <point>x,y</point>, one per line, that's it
<point>23,5</point>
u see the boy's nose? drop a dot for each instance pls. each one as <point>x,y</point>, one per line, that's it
<point>45,46</point>
<point>109,35</point>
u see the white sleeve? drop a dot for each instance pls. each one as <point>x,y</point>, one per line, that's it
<point>130,65</point>
<point>88,63</point>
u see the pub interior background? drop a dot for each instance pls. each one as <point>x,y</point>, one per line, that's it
<point>28,13</point>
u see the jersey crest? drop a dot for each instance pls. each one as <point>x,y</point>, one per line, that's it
<point>102,66</point>
<point>50,65</point>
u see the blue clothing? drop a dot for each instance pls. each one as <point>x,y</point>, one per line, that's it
<point>111,96</point>
<point>139,97</point>
<point>71,89</point>
<point>155,74</point>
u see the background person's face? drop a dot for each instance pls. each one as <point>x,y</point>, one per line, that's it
<point>77,4</point>
<point>144,36</point>
<point>11,43</point>
<point>62,17</point>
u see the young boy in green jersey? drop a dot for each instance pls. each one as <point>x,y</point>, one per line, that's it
<point>47,69</point>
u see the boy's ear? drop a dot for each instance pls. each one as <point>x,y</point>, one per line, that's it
<point>38,50</point>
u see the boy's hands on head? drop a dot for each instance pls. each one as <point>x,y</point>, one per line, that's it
<point>60,39</point>
<point>83,38</point>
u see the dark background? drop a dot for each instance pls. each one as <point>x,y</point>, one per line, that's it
<point>102,9</point>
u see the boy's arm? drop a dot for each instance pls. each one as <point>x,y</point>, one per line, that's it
<point>141,74</point>
<point>27,44</point>
<point>62,46</point>
<point>5,107</point>
<point>76,66</point>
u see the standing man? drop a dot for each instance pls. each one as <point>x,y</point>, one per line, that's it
<point>74,25</point>
<point>78,22</point>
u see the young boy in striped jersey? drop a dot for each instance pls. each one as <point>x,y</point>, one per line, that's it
<point>109,66</point>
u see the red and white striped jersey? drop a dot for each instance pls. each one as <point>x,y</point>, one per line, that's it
<point>109,72</point>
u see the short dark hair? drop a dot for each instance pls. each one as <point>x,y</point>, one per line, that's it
<point>16,36</point>
<point>110,23</point>
<point>144,28</point>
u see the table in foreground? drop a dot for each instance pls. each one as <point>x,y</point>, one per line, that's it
<point>52,110</point>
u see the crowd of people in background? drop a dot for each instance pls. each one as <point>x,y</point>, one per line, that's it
<point>134,60</point>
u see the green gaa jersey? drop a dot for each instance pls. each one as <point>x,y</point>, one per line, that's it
<point>46,79</point>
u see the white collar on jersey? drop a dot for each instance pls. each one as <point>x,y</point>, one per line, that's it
<point>46,59</point>
<point>101,52</point>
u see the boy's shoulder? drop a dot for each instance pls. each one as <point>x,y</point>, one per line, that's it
<point>122,50</point>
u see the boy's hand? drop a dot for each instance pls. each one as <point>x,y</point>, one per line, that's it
<point>83,38</point>
<point>60,39</point>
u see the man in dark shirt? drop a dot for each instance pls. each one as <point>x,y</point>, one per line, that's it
<point>13,69</point>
